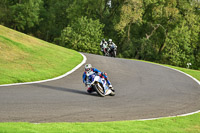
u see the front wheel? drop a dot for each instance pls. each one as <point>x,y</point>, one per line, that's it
<point>99,90</point>
<point>114,53</point>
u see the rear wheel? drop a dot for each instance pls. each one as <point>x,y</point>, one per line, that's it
<point>112,94</point>
<point>107,53</point>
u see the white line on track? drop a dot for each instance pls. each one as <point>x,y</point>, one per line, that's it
<point>56,78</point>
<point>198,82</point>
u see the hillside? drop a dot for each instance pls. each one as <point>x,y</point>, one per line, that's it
<point>24,58</point>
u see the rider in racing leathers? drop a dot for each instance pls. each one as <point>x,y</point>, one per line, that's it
<point>111,43</point>
<point>89,70</point>
<point>103,45</point>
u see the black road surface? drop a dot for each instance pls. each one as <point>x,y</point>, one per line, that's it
<point>143,91</point>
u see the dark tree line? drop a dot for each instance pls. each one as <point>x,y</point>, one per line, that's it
<point>164,31</point>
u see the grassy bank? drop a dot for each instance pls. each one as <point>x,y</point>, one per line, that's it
<point>24,58</point>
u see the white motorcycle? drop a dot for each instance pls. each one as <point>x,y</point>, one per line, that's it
<point>99,85</point>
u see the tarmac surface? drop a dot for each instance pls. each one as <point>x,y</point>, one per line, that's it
<point>143,91</point>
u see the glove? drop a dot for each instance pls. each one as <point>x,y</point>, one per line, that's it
<point>99,74</point>
<point>103,73</point>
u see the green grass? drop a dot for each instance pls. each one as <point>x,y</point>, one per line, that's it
<point>193,73</point>
<point>24,58</point>
<point>188,124</point>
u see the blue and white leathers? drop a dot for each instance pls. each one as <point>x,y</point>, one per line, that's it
<point>87,75</point>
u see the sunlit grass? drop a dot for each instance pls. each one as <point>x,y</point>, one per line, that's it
<point>24,58</point>
<point>187,124</point>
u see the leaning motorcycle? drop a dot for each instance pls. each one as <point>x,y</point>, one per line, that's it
<point>106,51</point>
<point>112,51</point>
<point>99,85</point>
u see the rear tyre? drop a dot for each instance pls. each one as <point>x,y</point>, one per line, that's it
<point>112,93</point>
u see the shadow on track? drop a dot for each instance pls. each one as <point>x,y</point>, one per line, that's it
<point>64,89</point>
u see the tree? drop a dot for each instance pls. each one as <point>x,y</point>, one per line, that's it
<point>54,19</point>
<point>83,35</point>
<point>25,14</point>
<point>131,12</point>
<point>4,12</point>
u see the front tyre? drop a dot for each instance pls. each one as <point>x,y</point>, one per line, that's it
<point>114,53</point>
<point>99,90</point>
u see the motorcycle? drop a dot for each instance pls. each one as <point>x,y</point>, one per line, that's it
<point>106,51</point>
<point>111,51</point>
<point>99,85</point>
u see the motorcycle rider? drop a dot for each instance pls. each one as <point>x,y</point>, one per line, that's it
<point>111,43</point>
<point>89,70</point>
<point>112,48</point>
<point>103,45</point>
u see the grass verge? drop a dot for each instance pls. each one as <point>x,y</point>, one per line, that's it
<point>24,58</point>
<point>187,124</point>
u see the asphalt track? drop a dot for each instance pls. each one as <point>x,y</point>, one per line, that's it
<point>143,91</point>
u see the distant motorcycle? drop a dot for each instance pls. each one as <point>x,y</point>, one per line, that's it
<point>99,85</point>
<point>111,51</point>
<point>106,51</point>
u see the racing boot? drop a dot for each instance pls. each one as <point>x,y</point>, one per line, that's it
<point>110,86</point>
<point>89,90</point>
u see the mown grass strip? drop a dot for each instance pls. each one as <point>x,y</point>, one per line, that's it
<point>188,124</point>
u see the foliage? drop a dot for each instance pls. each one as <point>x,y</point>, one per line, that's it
<point>54,19</point>
<point>83,35</point>
<point>22,14</point>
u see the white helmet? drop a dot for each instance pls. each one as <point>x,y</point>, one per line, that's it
<point>88,67</point>
<point>110,40</point>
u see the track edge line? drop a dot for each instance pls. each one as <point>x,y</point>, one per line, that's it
<point>187,114</point>
<point>56,78</point>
